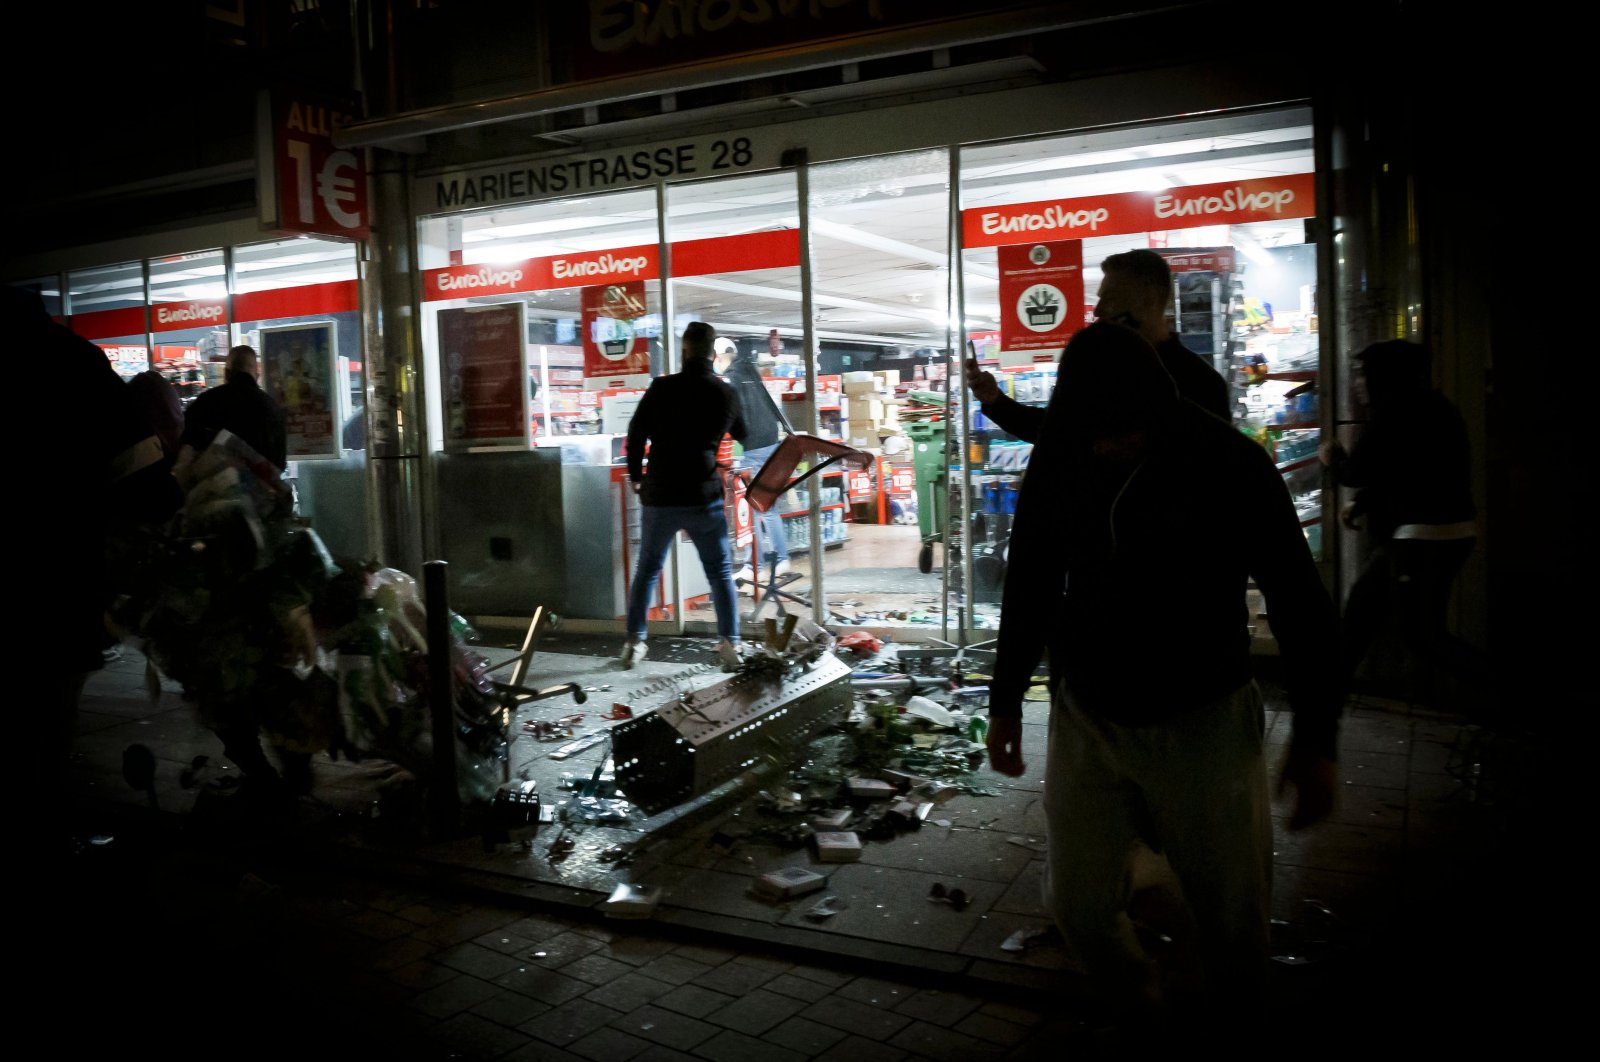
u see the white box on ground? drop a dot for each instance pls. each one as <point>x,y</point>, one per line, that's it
<point>788,883</point>
<point>632,901</point>
<point>838,847</point>
<point>872,788</point>
<point>836,819</point>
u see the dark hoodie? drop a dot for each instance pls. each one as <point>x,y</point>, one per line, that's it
<point>683,417</point>
<point>1413,461</point>
<point>762,418</point>
<point>1152,554</point>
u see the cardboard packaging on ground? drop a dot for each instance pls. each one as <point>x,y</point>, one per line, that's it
<point>788,883</point>
<point>632,901</point>
<point>838,847</point>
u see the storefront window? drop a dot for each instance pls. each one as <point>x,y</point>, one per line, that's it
<point>49,291</point>
<point>1224,201</point>
<point>880,245</point>
<point>106,305</point>
<point>189,319</point>
<point>736,265</point>
<point>296,302</point>
<point>542,327</point>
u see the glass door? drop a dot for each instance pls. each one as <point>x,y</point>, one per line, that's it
<point>734,262</point>
<point>879,232</point>
<point>1223,201</point>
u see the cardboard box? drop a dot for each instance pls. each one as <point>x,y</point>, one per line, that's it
<point>834,820</point>
<point>862,387</point>
<point>632,901</point>
<point>872,788</point>
<point>838,847</point>
<point>888,377</point>
<point>788,883</point>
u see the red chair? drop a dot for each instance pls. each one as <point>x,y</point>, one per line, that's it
<point>775,478</point>
<point>772,479</point>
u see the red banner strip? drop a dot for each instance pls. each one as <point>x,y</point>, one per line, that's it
<point>736,254</point>
<point>109,324</point>
<point>719,254</point>
<point>338,296</point>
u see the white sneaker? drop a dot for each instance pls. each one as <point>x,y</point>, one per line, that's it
<point>744,575</point>
<point>632,654</point>
<point>728,653</point>
<point>782,569</point>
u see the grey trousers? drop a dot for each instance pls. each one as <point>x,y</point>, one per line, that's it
<point>1184,806</point>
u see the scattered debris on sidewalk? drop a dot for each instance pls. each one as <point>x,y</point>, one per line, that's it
<point>825,908</point>
<point>632,901</point>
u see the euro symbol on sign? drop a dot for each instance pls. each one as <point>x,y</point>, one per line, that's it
<point>337,188</point>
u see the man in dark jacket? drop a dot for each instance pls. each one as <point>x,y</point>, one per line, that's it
<point>766,425</point>
<point>240,406</point>
<point>108,472</point>
<point>1147,516</point>
<point>1417,504</point>
<point>683,417</point>
<point>1135,290</point>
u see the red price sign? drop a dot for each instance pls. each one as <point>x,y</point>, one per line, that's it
<point>860,484</point>
<point>320,188</point>
<point>902,481</point>
<point>741,518</point>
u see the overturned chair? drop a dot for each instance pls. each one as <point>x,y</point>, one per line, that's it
<point>774,479</point>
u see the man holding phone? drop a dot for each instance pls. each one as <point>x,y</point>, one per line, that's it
<point>1136,291</point>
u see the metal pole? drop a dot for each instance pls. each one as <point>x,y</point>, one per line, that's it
<point>808,330</point>
<point>397,455</point>
<point>669,364</point>
<point>956,396</point>
<point>443,799</point>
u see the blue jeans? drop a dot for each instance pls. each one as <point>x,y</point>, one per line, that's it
<point>707,526</point>
<point>774,545</point>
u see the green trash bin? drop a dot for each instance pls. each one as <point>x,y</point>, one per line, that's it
<point>932,473</point>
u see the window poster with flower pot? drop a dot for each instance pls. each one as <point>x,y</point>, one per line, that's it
<point>1041,294</point>
<point>300,371</point>
<point>484,363</point>
<point>612,345</point>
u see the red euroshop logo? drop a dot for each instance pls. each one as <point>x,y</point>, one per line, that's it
<point>171,316</point>
<point>1228,203</point>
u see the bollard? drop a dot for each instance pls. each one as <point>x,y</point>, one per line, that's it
<point>443,797</point>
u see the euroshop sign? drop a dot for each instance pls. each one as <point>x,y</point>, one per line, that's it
<point>1229,203</point>
<point>196,313</point>
<point>601,171</point>
<point>617,265</point>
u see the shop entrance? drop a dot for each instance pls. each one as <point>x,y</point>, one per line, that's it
<point>863,547</point>
<point>831,290</point>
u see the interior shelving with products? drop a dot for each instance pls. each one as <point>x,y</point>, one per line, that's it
<point>834,509</point>
<point>1274,377</point>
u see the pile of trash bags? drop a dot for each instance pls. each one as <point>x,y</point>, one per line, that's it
<point>236,598</point>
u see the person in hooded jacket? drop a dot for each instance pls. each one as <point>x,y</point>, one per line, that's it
<point>1411,476</point>
<point>109,474</point>
<point>1146,517</point>
<point>766,426</point>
